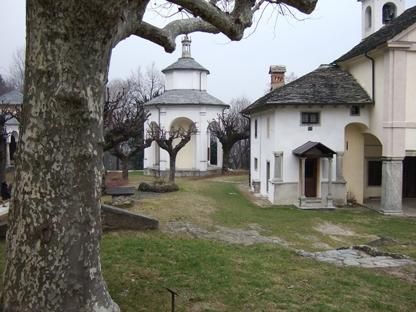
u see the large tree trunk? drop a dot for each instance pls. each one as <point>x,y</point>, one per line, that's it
<point>225,157</point>
<point>53,261</point>
<point>172,167</point>
<point>125,168</point>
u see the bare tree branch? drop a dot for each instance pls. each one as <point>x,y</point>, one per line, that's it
<point>231,18</point>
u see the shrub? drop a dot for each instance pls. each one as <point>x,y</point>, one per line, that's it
<point>158,187</point>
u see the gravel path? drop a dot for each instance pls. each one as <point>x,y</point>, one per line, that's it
<point>359,256</point>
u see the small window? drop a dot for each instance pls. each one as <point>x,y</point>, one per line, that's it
<point>255,128</point>
<point>310,118</point>
<point>374,172</point>
<point>355,110</point>
<point>256,162</point>
<point>368,18</point>
<point>389,12</point>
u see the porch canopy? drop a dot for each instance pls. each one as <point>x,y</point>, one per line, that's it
<point>313,150</point>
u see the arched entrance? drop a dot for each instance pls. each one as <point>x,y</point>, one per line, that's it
<point>362,163</point>
<point>185,160</point>
<point>13,145</point>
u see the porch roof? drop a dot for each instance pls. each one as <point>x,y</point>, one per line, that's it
<point>313,149</point>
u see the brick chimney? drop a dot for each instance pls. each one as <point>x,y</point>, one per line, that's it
<point>277,76</point>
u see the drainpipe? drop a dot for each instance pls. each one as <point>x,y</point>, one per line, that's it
<point>373,82</point>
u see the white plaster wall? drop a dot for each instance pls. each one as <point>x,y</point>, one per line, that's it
<point>199,114</point>
<point>287,133</point>
<point>361,69</point>
<point>186,79</point>
<point>410,143</point>
<point>354,162</point>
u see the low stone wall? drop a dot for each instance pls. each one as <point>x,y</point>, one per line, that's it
<point>119,219</point>
<point>183,173</point>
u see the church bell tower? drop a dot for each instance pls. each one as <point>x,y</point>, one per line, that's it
<point>377,13</point>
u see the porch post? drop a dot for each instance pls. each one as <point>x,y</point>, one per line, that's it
<point>339,165</point>
<point>329,200</point>
<point>302,180</point>
<point>391,185</point>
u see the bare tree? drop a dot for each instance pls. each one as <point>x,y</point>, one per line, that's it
<point>171,141</point>
<point>53,250</point>
<point>4,86</point>
<point>230,127</point>
<point>125,114</point>
<point>124,120</point>
<point>17,70</point>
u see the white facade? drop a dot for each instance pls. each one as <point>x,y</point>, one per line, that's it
<point>184,102</point>
<point>375,150</point>
<point>286,133</point>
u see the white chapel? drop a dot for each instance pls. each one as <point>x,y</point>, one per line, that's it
<point>185,101</point>
<point>347,130</point>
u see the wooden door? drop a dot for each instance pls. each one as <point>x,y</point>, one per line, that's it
<point>409,177</point>
<point>311,177</point>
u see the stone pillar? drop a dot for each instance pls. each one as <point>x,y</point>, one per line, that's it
<point>329,200</point>
<point>391,186</point>
<point>7,154</point>
<point>302,180</point>
<point>340,164</point>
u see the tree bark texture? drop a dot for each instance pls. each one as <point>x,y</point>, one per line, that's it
<point>125,168</point>
<point>53,261</point>
<point>172,167</point>
<point>225,157</point>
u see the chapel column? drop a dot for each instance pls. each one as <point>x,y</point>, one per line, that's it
<point>339,165</point>
<point>391,185</point>
<point>302,161</point>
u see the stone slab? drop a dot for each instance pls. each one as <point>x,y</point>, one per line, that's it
<point>114,219</point>
<point>120,191</point>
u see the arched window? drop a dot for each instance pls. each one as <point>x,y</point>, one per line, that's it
<point>389,12</point>
<point>368,18</point>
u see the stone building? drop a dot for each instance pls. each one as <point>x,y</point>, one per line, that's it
<point>186,101</point>
<point>348,129</point>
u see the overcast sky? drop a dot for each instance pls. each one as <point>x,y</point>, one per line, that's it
<point>237,68</point>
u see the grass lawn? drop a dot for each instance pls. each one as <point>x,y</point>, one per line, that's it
<point>215,276</point>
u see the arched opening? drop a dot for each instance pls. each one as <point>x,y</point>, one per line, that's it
<point>185,160</point>
<point>368,18</point>
<point>389,12</point>
<point>212,147</point>
<point>373,151</point>
<point>362,163</point>
<point>13,145</point>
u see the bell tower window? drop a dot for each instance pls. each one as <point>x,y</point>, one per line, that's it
<point>389,12</point>
<point>368,18</point>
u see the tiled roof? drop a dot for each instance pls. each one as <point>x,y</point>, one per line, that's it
<point>384,34</point>
<point>184,97</point>
<point>185,63</point>
<point>12,97</point>
<point>327,85</point>
<point>313,149</point>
